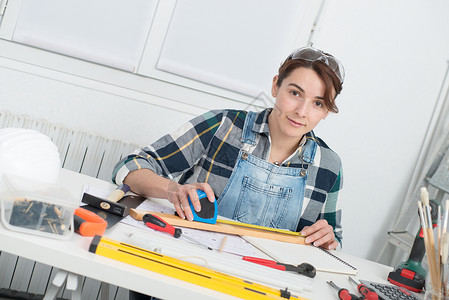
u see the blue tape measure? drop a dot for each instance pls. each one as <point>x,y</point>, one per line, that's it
<point>208,212</point>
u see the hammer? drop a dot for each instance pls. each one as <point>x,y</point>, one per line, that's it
<point>109,208</point>
<point>110,204</point>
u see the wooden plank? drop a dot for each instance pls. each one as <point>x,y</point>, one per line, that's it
<point>121,294</point>
<point>8,264</point>
<point>22,277</point>
<point>91,288</point>
<point>39,279</point>
<point>219,227</point>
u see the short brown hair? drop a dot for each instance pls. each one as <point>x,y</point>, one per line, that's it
<point>328,76</point>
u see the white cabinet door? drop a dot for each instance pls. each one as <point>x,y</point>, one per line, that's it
<point>108,32</point>
<point>229,49</point>
<point>234,45</point>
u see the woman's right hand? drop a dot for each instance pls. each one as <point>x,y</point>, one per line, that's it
<point>147,183</point>
<point>177,195</point>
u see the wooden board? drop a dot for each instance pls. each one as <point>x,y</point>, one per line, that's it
<point>219,227</point>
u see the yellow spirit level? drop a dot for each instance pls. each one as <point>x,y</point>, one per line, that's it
<point>185,271</point>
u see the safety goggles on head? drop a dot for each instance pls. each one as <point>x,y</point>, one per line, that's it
<point>312,54</point>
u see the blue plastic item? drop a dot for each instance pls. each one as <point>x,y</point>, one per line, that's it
<point>208,212</point>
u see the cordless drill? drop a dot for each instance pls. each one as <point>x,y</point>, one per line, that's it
<point>410,274</point>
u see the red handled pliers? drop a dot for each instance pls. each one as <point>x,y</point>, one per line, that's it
<point>304,268</point>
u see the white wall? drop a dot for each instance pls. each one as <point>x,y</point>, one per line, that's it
<point>95,111</point>
<point>395,55</point>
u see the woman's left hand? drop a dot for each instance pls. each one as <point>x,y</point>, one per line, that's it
<point>320,234</point>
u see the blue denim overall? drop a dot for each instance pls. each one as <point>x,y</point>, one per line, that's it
<point>261,193</point>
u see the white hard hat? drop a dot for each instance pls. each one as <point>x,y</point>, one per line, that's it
<point>30,154</point>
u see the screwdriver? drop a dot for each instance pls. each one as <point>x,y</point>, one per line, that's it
<point>343,294</point>
<point>157,223</point>
<point>368,294</point>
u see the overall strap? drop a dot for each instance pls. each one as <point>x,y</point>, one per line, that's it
<point>248,135</point>
<point>308,153</point>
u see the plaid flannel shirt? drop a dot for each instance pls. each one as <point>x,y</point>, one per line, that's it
<point>206,149</point>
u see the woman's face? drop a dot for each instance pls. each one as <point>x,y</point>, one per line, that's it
<point>299,104</point>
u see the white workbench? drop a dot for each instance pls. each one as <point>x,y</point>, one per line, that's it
<point>73,256</point>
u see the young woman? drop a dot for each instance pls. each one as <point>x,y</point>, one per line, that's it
<point>266,168</point>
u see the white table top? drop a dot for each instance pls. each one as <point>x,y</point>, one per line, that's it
<point>73,255</point>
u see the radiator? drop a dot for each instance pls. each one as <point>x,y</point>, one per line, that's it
<point>80,151</point>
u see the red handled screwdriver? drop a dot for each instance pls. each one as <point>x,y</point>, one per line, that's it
<point>368,294</point>
<point>343,294</point>
<point>157,223</point>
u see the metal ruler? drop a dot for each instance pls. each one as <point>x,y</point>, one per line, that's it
<point>185,271</point>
